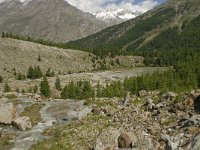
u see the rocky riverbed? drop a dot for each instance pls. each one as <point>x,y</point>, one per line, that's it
<point>54,112</point>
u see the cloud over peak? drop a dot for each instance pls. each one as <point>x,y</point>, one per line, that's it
<point>102,5</point>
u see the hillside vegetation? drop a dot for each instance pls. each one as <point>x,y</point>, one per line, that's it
<point>17,56</point>
<point>174,22</point>
<point>168,35</point>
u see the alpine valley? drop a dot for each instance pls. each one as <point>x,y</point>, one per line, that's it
<point>113,80</point>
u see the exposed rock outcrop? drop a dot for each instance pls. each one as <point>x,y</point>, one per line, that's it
<point>7,113</point>
<point>22,123</point>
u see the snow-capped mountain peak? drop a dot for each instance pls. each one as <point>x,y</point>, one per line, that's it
<point>120,14</point>
<point>22,1</point>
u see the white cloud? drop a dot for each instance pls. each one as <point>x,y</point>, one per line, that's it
<point>99,5</point>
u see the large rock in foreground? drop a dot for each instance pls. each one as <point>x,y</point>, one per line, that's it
<point>7,113</point>
<point>22,123</point>
<point>126,140</point>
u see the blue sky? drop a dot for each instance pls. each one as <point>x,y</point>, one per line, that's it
<point>100,5</point>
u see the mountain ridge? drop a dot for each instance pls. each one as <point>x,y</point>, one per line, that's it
<point>54,20</point>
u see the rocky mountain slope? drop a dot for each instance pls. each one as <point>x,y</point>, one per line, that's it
<point>54,20</point>
<point>176,22</point>
<point>20,55</point>
<point>17,56</point>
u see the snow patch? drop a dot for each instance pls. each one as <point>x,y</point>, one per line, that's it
<point>122,14</point>
<point>21,1</point>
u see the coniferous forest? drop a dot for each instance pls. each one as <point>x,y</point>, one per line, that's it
<point>175,47</point>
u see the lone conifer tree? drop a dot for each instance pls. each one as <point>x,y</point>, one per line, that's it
<point>3,35</point>
<point>1,79</point>
<point>7,88</point>
<point>30,73</point>
<point>39,58</point>
<point>57,84</point>
<point>45,88</point>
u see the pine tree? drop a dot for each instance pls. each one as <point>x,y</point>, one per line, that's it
<point>17,90</point>
<point>112,63</point>
<point>1,79</point>
<point>7,87</point>
<point>71,90</point>
<point>30,73</point>
<point>3,35</point>
<point>39,58</point>
<point>45,88</point>
<point>20,76</point>
<point>49,73</point>
<point>34,73</point>
<point>57,84</point>
<point>64,93</point>
<point>38,72</point>
<point>23,91</point>
<point>87,89</point>
<point>118,62</point>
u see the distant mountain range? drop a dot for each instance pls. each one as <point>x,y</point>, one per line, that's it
<point>117,15</point>
<point>54,20</point>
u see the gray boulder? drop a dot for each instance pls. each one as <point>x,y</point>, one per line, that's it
<point>37,98</point>
<point>193,121</point>
<point>127,98</point>
<point>142,93</point>
<point>126,140</point>
<point>7,113</point>
<point>170,144</point>
<point>173,143</point>
<point>169,95</point>
<point>195,145</point>
<point>150,105</point>
<point>22,123</point>
<point>160,105</point>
